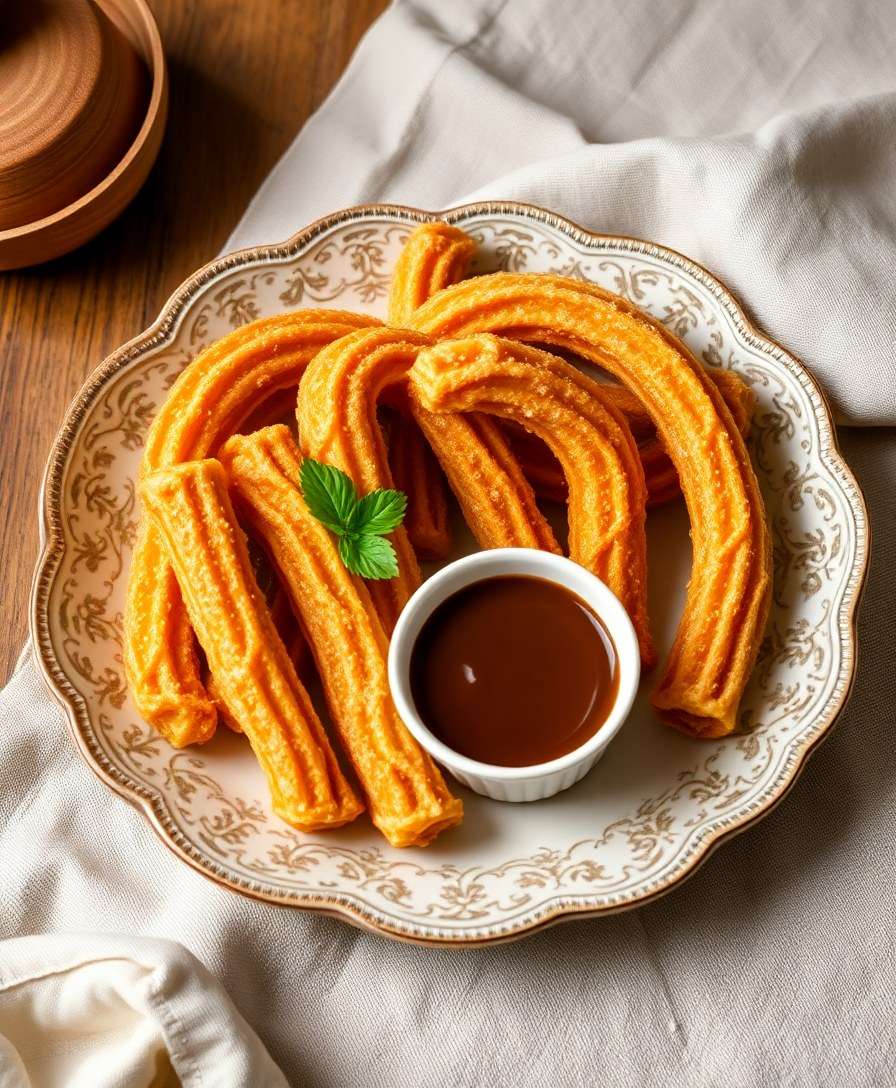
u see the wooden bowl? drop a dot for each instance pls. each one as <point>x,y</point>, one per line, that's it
<point>83,103</point>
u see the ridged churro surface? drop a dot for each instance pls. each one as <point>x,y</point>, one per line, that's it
<point>496,499</point>
<point>190,508</point>
<point>545,474</point>
<point>434,256</point>
<point>338,425</point>
<point>406,795</point>
<point>214,394</point>
<point>291,636</point>
<point>594,445</point>
<point>728,595</point>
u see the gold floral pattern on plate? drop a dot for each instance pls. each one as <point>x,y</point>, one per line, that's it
<point>653,809</point>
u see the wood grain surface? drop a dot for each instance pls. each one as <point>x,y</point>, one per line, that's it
<point>243,80</point>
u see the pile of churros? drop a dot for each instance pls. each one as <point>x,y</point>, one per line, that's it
<point>467,386</point>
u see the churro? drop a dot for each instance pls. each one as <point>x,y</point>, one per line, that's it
<point>437,255</point>
<point>338,425</point>
<point>406,795</point>
<point>590,438</point>
<point>191,511</point>
<point>416,472</point>
<point>737,395</point>
<point>728,595</point>
<point>545,473</point>
<point>496,499</point>
<point>434,256</point>
<point>214,394</point>
<point>292,638</point>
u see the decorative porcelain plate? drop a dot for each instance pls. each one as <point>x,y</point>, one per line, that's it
<point>658,802</point>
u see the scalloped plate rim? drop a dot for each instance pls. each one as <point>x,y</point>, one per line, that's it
<point>52,548</point>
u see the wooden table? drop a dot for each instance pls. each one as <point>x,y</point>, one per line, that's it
<point>243,80</point>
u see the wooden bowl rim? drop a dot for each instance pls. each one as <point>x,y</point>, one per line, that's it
<point>158,75</point>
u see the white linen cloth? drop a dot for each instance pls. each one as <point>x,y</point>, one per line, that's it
<point>759,139</point>
<point>86,1011</point>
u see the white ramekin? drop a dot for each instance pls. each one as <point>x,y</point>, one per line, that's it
<point>543,779</point>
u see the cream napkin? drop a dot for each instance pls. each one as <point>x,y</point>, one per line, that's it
<point>758,138</point>
<point>86,1011</point>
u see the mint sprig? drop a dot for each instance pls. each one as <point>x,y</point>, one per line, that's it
<point>360,523</point>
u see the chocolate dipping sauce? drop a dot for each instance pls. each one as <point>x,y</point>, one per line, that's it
<point>514,671</point>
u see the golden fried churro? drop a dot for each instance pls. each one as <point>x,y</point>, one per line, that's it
<point>739,397</point>
<point>338,425</point>
<point>407,797</point>
<point>568,411</point>
<point>219,389</point>
<point>660,472</point>
<point>545,473</point>
<point>190,508</point>
<point>539,465</point>
<point>416,472</point>
<point>229,380</point>
<point>292,638</point>
<point>728,595</point>
<point>496,499</point>
<point>434,256</point>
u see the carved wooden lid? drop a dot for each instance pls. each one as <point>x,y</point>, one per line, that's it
<point>73,94</point>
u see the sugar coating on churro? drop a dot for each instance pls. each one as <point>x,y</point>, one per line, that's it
<point>590,438</point>
<point>496,499</point>
<point>728,595</point>
<point>292,638</point>
<point>213,395</point>
<point>338,425</point>
<point>225,383</point>
<point>434,256</point>
<point>160,649</point>
<point>407,797</point>
<point>254,677</point>
<point>545,474</point>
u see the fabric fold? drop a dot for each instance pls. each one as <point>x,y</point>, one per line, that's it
<point>86,1011</point>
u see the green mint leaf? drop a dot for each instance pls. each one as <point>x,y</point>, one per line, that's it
<point>330,495</point>
<point>361,524</point>
<point>348,553</point>
<point>370,556</point>
<point>376,557</point>
<point>379,512</point>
